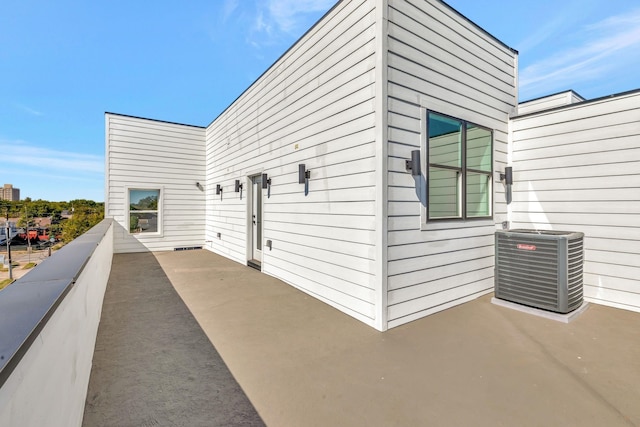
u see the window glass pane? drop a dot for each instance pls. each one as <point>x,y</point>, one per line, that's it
<point>445,163</point>
<point>444,197</point>
<point>454,191</point>
<point>445,141</point>
<point>140,222</point>
<point>478,148</point>
<point>143,200</point>
<point>478,190</point>
<point>143,211</point>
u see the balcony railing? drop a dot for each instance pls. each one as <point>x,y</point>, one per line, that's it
<point>48,325</point>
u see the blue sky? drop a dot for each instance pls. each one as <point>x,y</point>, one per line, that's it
<point>64,63</point>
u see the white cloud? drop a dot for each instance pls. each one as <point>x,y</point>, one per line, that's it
<point>544,32</point>
<point>603,46</point>
<point>554,25</point>
<point>261,25</point>
<point>613,22</point>
<point>228,8</point>
<point>46,160</point>
<point>44,173</point>
<point>29,110</point>
<point>278,19</point>
<point>289,14</point>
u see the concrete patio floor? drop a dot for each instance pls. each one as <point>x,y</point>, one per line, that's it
<point>303,363</point>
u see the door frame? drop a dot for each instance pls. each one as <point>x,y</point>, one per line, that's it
<point>250,238</point>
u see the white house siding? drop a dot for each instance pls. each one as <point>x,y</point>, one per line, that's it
<point>153,154</point>
<point>440,61</point>
<point>578,169</point>
<point>547,102</point>
<point>315,106</point>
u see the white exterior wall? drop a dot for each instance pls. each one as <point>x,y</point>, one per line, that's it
<point>146,153</point>
<point>547,102</point>
<point>578,169</point>
<point>315,105</point>
<point>438,60</point>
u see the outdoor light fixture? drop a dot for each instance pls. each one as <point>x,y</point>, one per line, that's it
<point>266,183</point>
<point>413,165</point>
<point>238,188</point>
<point>507,177</point>
<point>219,190</point>
<point>303,174</point>
<point>303,177</point>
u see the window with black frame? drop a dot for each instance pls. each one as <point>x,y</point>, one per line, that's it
<point>460,159</point>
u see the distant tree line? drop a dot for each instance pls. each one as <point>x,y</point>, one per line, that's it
<point>84,215</point>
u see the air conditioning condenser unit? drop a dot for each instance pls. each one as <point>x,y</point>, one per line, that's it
<point>540,268</point>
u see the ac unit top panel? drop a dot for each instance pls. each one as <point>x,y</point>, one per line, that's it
<point>542,234</point>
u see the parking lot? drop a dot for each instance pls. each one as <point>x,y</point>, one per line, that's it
<point>21,255</point>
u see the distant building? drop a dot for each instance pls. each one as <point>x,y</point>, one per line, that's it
<point>9,193</point>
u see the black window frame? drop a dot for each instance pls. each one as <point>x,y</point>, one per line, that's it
<point>463,215</point>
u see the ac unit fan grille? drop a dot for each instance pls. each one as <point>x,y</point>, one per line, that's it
<point>528,276</point>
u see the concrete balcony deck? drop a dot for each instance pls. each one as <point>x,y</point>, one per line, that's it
<point>302,363</point>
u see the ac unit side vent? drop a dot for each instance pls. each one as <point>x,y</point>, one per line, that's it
<point>542,269</point>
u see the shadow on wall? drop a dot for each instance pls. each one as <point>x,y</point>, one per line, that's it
<point>421,189</point>
<point>125,241</point>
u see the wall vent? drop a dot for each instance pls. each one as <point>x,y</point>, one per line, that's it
<point>540,268</point>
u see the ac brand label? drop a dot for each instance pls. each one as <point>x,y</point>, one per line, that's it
<point>524,247</point>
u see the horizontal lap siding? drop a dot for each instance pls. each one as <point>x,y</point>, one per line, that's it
<point>147,153</point>
<point>440,61</point>
<point>548,102</point>
<point>578,169</point>
<point>314,106</point>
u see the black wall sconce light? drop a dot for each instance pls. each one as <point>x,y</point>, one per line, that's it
<point>413,165</point>
<point>507,177</point>
<point>266,183</point>
<point>238,188</point>
<point>303,177</point>
<point>219,190</point>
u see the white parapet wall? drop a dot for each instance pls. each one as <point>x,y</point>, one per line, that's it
<point>44,379</point>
